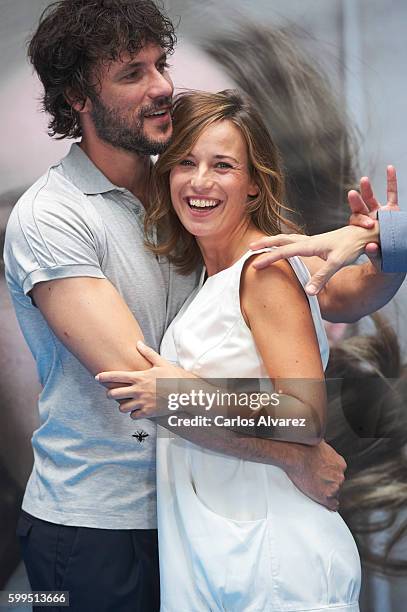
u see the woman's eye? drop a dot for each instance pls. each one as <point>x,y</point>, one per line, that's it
<point>223,165</point>
<point>186,162</point>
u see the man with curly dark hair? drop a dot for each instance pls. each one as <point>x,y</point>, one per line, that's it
<point>78,275</point>
<point>74,45</point>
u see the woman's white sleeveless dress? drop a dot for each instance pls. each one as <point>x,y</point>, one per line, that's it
<point>235,535</point>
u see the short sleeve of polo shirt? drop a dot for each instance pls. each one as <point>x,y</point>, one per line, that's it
<point>53,233</point>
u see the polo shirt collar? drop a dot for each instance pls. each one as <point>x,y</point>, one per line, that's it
<point>84,174</point>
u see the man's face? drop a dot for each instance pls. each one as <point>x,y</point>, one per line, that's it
<point>132,109</point>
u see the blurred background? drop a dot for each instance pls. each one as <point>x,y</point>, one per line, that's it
<point>360,48</point>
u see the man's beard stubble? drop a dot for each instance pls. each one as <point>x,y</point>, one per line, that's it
<point>115,130</point>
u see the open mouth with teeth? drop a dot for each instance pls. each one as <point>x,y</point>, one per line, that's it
<point>202,205</point>
<point>159,113</point>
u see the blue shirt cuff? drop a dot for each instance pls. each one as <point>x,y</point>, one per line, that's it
<point>393,240</point>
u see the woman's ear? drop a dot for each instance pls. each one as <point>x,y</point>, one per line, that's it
<point>253,190</point>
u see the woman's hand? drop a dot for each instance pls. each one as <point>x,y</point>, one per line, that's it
<point>138,395</point>
<point>338,248</point>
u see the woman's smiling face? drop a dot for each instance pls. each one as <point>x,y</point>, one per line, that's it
<point>210,186</point>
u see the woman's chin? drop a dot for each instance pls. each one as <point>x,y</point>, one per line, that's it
<point>198,229</point>
<point>201,232</point>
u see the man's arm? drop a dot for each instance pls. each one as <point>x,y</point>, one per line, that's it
<point>355,291</point>
<point>346,295</point>
<point>92,320</point>
<point>317,471</point>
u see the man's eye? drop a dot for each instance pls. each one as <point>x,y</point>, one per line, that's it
<point>132,75</point>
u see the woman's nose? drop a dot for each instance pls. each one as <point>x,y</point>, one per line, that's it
<point>201,180</point>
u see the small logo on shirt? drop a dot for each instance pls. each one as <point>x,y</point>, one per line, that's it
<point>140,435</point>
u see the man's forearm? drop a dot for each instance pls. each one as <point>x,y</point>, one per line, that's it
<point>223,439</point>
<point>285,455</point>
<point>281,416</point>
<point>317,471</point>
<point>356,291</point>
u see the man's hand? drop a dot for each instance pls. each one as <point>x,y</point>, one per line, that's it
<point>364,207</point>
<point>320,475</point>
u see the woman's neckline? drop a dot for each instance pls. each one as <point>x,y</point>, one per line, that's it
<point>204,277</point>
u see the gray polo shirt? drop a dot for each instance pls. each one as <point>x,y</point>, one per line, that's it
<point>89,469</point>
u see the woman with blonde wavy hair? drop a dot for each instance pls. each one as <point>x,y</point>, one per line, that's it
<point>243,536</point>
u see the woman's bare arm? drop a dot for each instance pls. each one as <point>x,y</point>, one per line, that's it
<point>278,314</point>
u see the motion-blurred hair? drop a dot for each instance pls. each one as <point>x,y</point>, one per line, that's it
<point>302,112</point>
<point>367,424</point>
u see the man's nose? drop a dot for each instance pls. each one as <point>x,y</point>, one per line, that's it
<point>161,86</point>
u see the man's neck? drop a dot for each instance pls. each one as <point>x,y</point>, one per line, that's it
<point>122,168</point>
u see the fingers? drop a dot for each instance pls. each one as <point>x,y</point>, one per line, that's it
<point>356,203</point>
<point>367,194</point>
<point>332,503</point>
<point>334,497</point>
<point>130,406</point>
<point>302,247</point>
<point>361,220</point>
<point>320,278</point>
<point>272,241</point>
<point>137,410</point>
<point>122,393</point>
<point>372,250</point>
<point>392,195</point>
<point>117,377</point>
<point>366,203</point>
<point>139,413</point>
<point>266,260</point>
<point>150,354</point>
